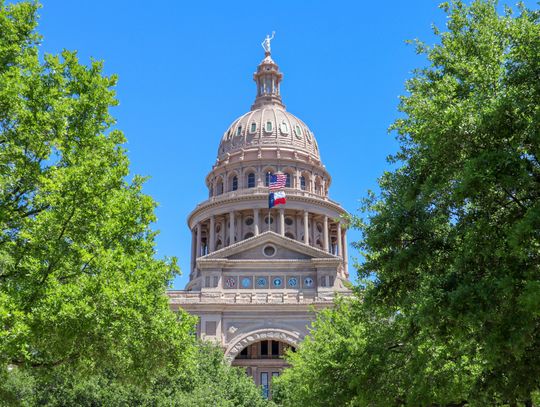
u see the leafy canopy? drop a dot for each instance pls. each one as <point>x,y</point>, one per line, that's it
<point>79,281</point>
<point>453,237</point>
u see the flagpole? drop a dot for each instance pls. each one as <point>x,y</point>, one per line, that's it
<point>269,209</point>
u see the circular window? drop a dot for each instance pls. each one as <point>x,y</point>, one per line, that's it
<point>269,251</point>
<point>277,282</point>
<point>261,282</point>
<point>248,235</point>
<point>268,220</point>
<point>249,221</point>
<point>246,282</point>
<point>230,282</point>
<point>308,282</point>
<point>292,281</point>
<point>289,221</point>
<point>289,235</point>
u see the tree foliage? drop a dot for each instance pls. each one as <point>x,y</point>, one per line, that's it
<point>210,381</point>
<point>79,283</point>
<point>453,237</point>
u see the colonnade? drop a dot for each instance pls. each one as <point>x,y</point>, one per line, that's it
<point>211,234</point>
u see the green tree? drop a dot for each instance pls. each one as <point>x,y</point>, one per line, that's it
<point>453,237</point>
<point>79,281</point>
<point>210,381</point>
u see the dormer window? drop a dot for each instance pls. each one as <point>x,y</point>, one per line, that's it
<point>298,131</point>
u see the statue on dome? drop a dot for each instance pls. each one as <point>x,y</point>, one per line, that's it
<point>266,43</point>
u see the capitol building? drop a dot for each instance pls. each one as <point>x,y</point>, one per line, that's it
<point>257,274</point>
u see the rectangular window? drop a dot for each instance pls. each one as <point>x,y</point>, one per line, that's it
<point>264,348</point>
<point>264,384</point>
<point>210,328</point>
<point>288,180</point>
<point>275,348</point>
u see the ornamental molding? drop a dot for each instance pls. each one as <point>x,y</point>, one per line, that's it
<point>198,214</point>
<point>265,238</point>
<point>291,338</point>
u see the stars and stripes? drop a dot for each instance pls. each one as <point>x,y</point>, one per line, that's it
<point>277,181</point>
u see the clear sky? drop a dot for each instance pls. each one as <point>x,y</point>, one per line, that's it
<point>185,73</point>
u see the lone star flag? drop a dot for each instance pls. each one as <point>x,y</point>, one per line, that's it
<point>277,181</point>
<point>276,198</point>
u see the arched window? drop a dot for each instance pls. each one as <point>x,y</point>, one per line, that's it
<point>267,179</point>
<point>251,180</point>
<point>303,183</point>
<point>288,180</point>
<point>219,187</point>
<point>211,191</point>
<point>234,184</point>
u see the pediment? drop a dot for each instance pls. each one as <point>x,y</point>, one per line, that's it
<point>253,249</point>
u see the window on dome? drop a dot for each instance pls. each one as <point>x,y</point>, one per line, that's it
<point>251,180</point>
<point>253,127</point>
<point>234,185</point>
<point>268,126</point>
<point>298,132</point>
<point>239,130</point>
<point>303,183</point>
<point>284,128</point>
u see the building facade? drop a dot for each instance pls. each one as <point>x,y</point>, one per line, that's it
<point>257,275</point>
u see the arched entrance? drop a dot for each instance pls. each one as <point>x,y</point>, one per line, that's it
<point>261,355</point>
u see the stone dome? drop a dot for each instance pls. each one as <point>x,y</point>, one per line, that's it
<point>268,124</point>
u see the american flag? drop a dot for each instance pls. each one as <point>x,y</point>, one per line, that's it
<point>277,181</point>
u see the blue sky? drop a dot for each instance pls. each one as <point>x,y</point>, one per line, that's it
<point>185,73</point>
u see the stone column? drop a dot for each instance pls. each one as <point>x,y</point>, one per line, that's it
<point>298,219</point>
<point>193,249</point>
<point>313,230</point>
<point>345,255</point>
<point>282,221</point>
<point>223,223</point>
<point>231,227</point>
<point>256,221</point>
<point>306,227</point>
<point>212,234</point>
<point>339,248</point>
<point>325,234</point>
<point>240,226</point>
<point>199,240</point>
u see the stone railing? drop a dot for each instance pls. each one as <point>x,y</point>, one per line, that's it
<point>181,297</point>
<point>263,191</point>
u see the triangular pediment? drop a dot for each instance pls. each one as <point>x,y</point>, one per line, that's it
<point>257,248</point>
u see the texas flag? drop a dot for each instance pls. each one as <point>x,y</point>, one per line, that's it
<point>276,198</point>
